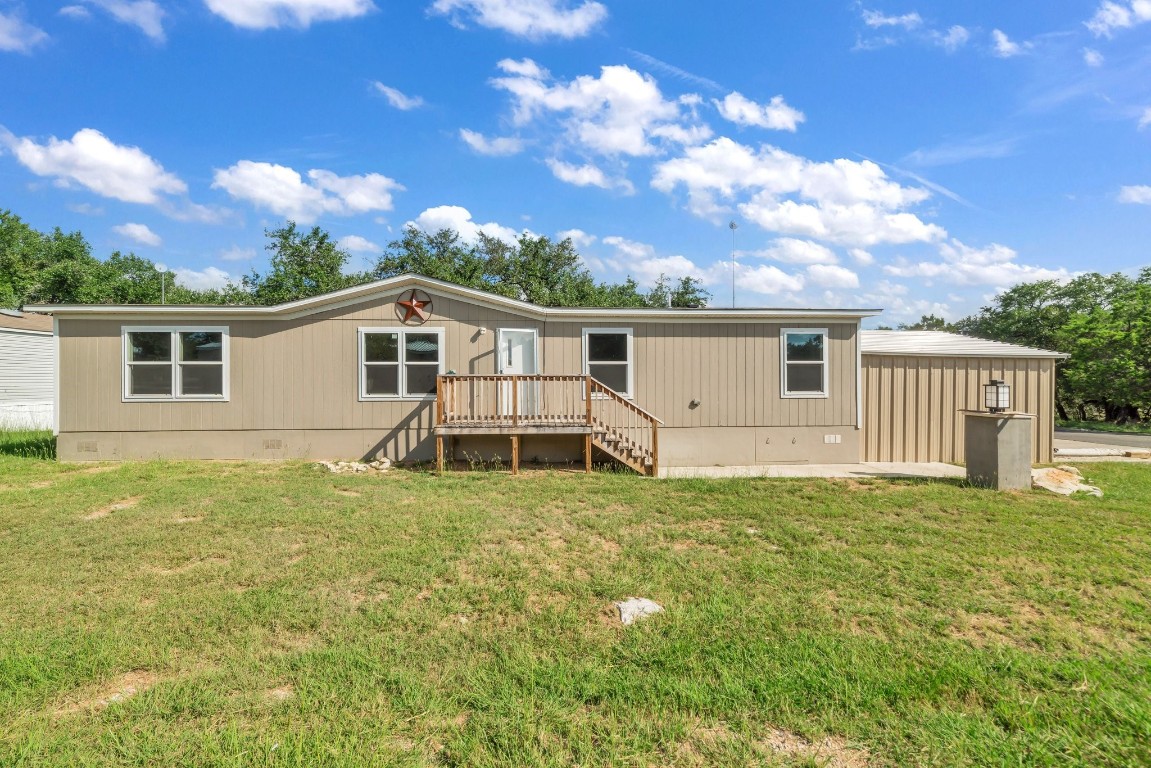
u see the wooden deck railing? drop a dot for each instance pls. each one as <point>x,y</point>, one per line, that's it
<point>542,401</point>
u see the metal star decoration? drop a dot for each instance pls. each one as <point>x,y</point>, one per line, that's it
<point>414,305</point>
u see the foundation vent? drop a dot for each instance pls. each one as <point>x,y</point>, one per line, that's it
<point>273,445</point>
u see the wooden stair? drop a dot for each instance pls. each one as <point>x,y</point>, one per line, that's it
<point>623,450</point>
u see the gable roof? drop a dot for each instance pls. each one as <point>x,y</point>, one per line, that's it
<point>348,296</point>
<point>12,320</point>
<point>941,344</point>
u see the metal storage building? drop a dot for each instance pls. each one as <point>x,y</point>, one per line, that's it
<point>915,383</point>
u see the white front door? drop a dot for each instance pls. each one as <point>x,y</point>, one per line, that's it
<point>517,349</point>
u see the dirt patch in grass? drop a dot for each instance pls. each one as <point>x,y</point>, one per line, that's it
<point>119,506</point>
<point>705,743</point>
<point>830,751</point>
<point>189,566</point>
<point>114,691</point>
<point>95,470</point>
<point>279,694</point>
<point>186,520</point>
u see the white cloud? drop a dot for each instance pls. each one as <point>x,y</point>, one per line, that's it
<point>18,36</point>
<point>764,279</point>
<point>75,12</point>
<point>283,191</point>
<point>1005,47</point>
<point>397,98</point>
<point>618,113</point>
<point>91,160</point>
<point>532,19</point>
<point>459,220</point>
<point>236,253</point>
<point>357,244</point>
<point>861,257</point>
<point>1112,16</point>
<point>1092,57</point>
<point>139,233</point>
<point>579,238</point>
<point>272,14</point>
<point>1145,118</point>
<point>146,15</point>
<point>587,175</point>
<point>792,251</point>
<point>1136,195</point>
<point>202,280</point>
<point>777,115</point>
<point>86,209</point>
<point>831,276</point>
<point>954,39</point>
<point>961,264</point>
<point>630,249</point>
<point>500,146</point>
<point>846,202</point>
<point>877,20</point>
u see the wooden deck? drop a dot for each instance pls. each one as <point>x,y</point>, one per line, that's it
<point>515,406</point>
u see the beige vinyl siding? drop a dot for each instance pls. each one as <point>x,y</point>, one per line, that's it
<point>304,374</point>
<point>294,375</point>
<point>731,368</point>
<point>912,403</point>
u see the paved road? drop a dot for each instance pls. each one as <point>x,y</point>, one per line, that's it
<point>1104,438</point>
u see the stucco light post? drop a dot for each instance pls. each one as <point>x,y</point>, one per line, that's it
<point>997,443</point>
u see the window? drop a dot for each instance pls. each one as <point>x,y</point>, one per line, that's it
<point>400,364</point>
<point>175,363</point>
<point>804,362</point>
<point>608,357</point>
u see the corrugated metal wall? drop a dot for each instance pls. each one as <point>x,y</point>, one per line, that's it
<point>911,404</point>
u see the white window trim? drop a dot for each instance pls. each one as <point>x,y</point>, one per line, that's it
<point>175,330</point>
<point>630,357</point>
<point>403,376</point>
<point>783,365</point>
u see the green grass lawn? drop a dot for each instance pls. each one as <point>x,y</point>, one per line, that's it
<point>220,614</point>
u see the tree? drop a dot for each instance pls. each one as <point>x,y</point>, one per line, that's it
<point>303,265</point>
<point>928,323</point>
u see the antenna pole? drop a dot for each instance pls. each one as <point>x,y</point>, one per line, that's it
<point>733,226</point>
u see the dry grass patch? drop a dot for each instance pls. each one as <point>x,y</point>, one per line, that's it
<point>111,692</point>
<point>119,506</point>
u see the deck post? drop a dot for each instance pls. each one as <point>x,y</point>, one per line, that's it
<point>439,400</point>
<point>654,449</point>
<point>515,454</point>
<point>587,453</point>
<point>440,454</point>
<point>587,397</point>
<point>515,401</point>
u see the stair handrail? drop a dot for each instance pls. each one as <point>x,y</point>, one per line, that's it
<point>604,389</point>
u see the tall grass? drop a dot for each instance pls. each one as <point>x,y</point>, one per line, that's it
<point>28,444</point>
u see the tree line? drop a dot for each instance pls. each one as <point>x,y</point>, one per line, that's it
<point>1102,321</point>
<point>60,268</point>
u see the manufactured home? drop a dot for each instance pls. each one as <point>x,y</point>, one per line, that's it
<point>27,371</point>
<point>418,369</point>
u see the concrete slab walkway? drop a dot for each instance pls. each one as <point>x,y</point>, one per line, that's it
<point>870,469</point>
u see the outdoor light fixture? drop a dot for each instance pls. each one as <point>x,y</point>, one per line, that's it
<point>997,396</point>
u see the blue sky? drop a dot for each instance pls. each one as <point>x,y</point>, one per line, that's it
<point>917,156</point>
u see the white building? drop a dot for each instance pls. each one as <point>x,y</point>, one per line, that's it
<point>27,371</point>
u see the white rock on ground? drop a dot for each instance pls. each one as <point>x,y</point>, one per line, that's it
<point>1062,480</point>
<point>636,608</point>
<point>347,467</point>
